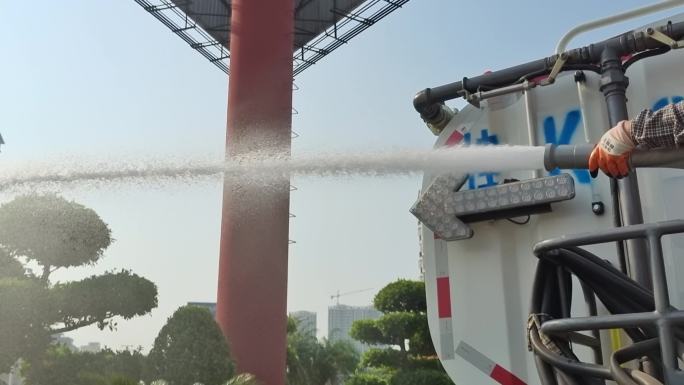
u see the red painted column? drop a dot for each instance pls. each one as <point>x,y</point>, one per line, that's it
<point>252,288</point>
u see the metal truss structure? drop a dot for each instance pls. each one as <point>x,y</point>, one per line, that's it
<point>321,26</point>
<point>169,14</point>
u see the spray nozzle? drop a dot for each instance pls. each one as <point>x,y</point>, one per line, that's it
<point>441,119</point>
<point>435,114</point>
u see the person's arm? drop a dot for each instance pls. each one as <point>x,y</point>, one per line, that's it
<point>662,128</point>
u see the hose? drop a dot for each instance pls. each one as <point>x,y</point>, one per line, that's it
<point>644,55</point>
<point>551,299</point>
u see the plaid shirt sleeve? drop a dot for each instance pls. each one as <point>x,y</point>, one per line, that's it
<point>662,128</point>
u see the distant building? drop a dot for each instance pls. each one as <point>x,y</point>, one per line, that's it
<point>65,341</point>
<point>207,305</point>
<point>92,347</point>
<point>306,322</point>
<point>68,342</point>
<point>341,318</point>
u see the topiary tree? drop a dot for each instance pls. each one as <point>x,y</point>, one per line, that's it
<point>52,232</point>
<point>40,234</point>
<point>403,295</point>
<point>411,359</point>
<point>404,306</point>
<point>190,348</point>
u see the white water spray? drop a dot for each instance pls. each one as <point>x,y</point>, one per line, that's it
<point>262,169</point>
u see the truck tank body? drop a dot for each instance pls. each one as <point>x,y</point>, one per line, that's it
<point>478,290</point>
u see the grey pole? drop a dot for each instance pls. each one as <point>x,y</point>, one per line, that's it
<point>614,86</point>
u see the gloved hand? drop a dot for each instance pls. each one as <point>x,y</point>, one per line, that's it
<point>611,154</point>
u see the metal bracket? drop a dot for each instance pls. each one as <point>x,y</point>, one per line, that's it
<point>555,70</point>
<point>471,98</point>
<point>476,97</point>
<point>663,38</point>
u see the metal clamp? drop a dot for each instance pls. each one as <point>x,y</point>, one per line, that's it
<point>556,69</point>
<point>476,97</point>
<point>663,38</point>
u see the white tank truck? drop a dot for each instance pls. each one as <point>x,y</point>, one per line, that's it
<point>549,276</point>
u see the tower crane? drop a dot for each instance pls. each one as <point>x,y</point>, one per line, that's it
<point>337,296</point>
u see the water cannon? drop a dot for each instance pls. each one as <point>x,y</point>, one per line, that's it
<point>577,157</point>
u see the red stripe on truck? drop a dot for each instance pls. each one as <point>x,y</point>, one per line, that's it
<point>443,297</point>
<point>504,377</point>
<point>454,139</point>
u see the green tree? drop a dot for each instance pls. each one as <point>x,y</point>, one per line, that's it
<point>61,366</point>
<point>410,357</point>
<point>10,267</point>
<point>190,348</point>
<point>40,234</point>
<point>401,296</point>
<point>53,232</point>
<point>370,377</point>
<point>314,362</point>
<point>24,320</point>
<point>420,377</point>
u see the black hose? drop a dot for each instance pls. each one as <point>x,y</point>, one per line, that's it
<point>538,287</point>
<point>545,372</point>
<point>565,290</point>
<point>618,293</point>
<point>548,295</point>
<point>617,222</point>
<point>644,55</point>
<point>565,364</point>
<point>551,299</point>
<point>589,267</point>
<point>645,294</point>
<point>590,300</point>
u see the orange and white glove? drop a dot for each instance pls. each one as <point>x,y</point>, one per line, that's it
<point>611,154</point>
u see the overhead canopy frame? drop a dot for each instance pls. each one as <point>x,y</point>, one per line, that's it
<point>321,26</point>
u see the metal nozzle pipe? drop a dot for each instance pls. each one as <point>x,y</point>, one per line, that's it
<point>577,156</point>
<point>567,156</point>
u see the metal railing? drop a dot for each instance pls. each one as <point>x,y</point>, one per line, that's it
<point>664,319</point>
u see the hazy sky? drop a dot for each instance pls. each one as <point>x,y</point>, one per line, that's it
<point>86,77</point>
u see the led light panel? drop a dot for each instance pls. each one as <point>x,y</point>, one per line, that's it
<point>440,205</point>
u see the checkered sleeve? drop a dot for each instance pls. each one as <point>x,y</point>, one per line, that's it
<point>662,128</point>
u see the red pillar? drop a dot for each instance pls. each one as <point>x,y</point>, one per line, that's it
<point>252,288</point>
